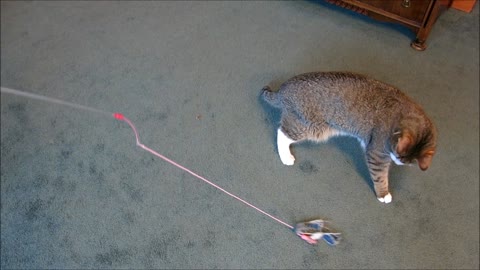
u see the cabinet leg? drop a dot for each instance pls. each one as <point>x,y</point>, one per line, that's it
<point>418,44</point>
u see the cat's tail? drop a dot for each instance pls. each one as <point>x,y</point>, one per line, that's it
<point>271,97</point>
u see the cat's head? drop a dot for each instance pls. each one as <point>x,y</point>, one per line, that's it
<point>416,144</point>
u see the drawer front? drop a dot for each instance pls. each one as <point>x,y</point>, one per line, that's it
<point>410,9</point>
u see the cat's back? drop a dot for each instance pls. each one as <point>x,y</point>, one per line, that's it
<point>343,97</point>
<point>333,83</point>
<point>347,88</point>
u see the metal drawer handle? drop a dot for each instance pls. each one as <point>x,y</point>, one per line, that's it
<point>406,3</point>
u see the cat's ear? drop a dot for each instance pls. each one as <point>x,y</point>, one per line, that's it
<point>425,160</point>
<point>404,143</point>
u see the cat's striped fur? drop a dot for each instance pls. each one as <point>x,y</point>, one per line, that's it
<point>388,124</point>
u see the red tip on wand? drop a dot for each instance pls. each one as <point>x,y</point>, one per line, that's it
<point>118,116</point>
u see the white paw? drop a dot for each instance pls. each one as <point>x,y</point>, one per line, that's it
<point>283,144</point>
<point>386,199</point>
<point>288,159</point>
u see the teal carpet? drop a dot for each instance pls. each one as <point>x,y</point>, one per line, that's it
<point>76,192</point>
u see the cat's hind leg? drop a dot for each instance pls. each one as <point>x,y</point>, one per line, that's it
<point>283,145</point>
<point>291,130</point>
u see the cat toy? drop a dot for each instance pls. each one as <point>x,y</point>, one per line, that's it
<point>310,231</point>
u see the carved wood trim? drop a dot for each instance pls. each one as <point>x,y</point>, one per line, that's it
<point>348,6</point>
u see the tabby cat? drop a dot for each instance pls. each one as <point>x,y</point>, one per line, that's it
<point>389,125</point>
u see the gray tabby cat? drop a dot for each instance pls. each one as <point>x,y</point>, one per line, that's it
<point>389,125</point>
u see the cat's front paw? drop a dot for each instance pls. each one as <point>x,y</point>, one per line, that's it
<point>386,199</point>
<point>288,159</point>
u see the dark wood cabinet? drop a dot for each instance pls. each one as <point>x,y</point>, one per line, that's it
<point>418,15</point>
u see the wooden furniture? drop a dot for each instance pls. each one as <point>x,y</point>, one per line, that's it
<point>418,15</point>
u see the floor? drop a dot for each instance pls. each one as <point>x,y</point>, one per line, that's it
<point>76,191</point>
